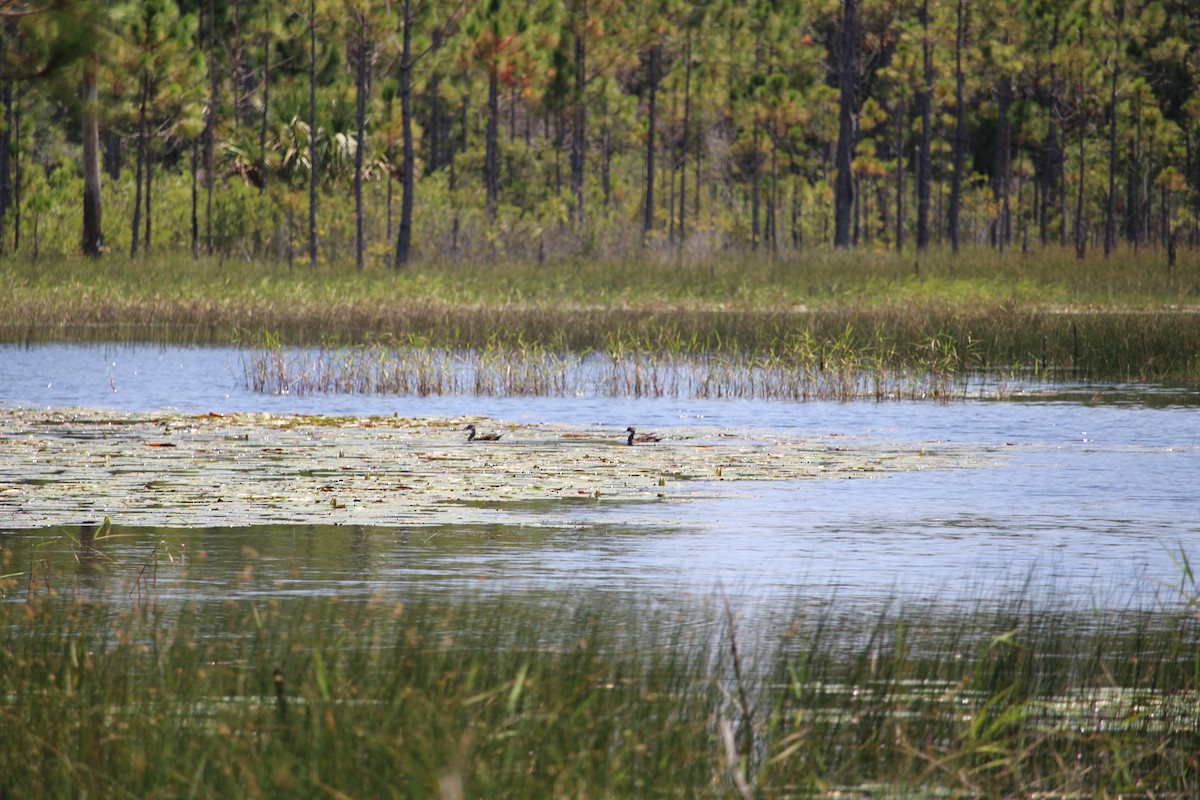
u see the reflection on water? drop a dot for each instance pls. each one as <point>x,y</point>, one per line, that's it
<point>1095,529</point>
<point>200,379</point>
<point>1096,500</point>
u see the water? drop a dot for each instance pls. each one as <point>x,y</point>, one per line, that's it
<point>1092,499</point>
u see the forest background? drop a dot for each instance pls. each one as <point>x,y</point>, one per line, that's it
<point>378,132</point>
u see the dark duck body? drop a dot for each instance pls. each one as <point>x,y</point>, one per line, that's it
<point>645,437</point>
<point>481,437</point>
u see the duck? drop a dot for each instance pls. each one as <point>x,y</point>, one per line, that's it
<point>645,437</point>
<point>482,437</point>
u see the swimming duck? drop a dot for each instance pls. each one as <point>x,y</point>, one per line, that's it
<point>482,437</point>
<point>645,437</point>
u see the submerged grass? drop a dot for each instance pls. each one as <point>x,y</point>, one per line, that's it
<point>845,354</point>
<point>501,697</point>
<point>848,368</point>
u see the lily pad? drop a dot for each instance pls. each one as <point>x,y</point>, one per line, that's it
<point>59,467</point>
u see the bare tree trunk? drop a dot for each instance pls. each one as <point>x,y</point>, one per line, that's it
<point>1049,173</point>
<point>362,87</point>
<point>652,88</point>
<point>683,148</point>
<point>899,112</point>
<point>436,147</point>
<point>1003,162</point>
<point>579,129</point>
<point>143,90</point>
<point>210,125</point>
<point>960,134</point>
<point>195,200</point>
<point>491,162</point>
<point>1080,243</point>
<point>6,135</point>
<point>1134,206</point>
<point>404,237</point>
<point>1110,211</point>
<point>312,132</point>
<point>755,200</point>
<point>773,200</point>
<point>93,233</point>
<point>16,173</point>
<point>924,108</point>
<point>847,83</point>
<point>1062,190</point>
<point>1051,151</point>
<point>606,152</point>
<point>151,90</point>
<point>111,162</point>
<point>266,104</point>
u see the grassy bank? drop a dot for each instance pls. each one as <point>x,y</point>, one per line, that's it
<point>149,696</point>
<point>1126,318</point>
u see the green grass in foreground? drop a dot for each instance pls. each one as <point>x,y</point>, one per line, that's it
<point>1125,318</point>
<point>487,697</point>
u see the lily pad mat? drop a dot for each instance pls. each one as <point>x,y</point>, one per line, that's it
<point>68,466</point>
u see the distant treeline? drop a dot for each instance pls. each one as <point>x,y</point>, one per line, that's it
<point>383,131</point>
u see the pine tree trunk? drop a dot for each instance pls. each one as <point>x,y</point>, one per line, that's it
<point>361,90</point>
<point>6,138</point>
<point>110,143</point>
<point>436,123</point>
<point>141,165</point>
<point>900,181</point>
<point>606,164</point>
<point>312,132</point>
<point>683,147</point>
<point>93,233</point>
<point>1133,199</point>
<point>404,237</point>
<point>151,90</point>
<point>652,89</point>
<point>924,108</point>
<point>491,163</point>
<point>960,134</point>
<point>579,129</point>
<point>1062,190</point>
<point>1002,164</point>
<point>195,200</point>
<point>210,124</point>
<point>755,202</point>
<point>1048,175</point>
<point>1080,244</point>
<point>847,84</point>
<point>1051,154</point>
<point>266,105</point>
<point>16,173</point>
<point>1110,211</point>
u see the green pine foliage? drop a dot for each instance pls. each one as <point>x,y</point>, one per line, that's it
<point>1080,121</point>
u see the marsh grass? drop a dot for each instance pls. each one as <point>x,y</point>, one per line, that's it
<point>514,696</point>
<point>844,369</point>
<point>1127,318</point>
<point>871,356</point>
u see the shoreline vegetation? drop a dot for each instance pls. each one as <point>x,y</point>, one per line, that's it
<point>944,318</point>
<point>152,693</point>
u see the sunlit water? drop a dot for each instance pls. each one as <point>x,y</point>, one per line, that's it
<point>1095,500</point>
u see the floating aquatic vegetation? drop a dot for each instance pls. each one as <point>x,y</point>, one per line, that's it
<point>173,469</point>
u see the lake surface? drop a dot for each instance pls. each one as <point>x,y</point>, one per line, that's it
<point>1094,499</point>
